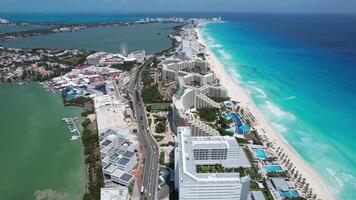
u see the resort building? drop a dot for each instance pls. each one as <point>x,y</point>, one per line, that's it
<point>193,74</point>
<point>119,193</point>
<point>196,84</point>
<point>139,56</point>
<point>104,59</point>
<point>175,68</point>
<point>185,102</point>
<point>191,153</point>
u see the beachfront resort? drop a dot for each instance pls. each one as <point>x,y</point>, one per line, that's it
<point>208,125</point>
<point>218,153</point>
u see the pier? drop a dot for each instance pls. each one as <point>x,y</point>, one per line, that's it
<point>73,128</point>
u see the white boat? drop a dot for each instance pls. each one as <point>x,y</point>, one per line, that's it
<point>75,137</point>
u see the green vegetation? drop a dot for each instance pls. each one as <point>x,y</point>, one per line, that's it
<point>283,174</point>
<point>158,138</point>
<point>156,107</point>
<point>271,159</point>
<point>130,187</point>
<point>258,138</point>
<point>254,185</point>
<point>155,62</point>
<point>146,77</point>
<point>253,171</point>
<point>127,66</point>
<point>266,193</point>
<point>161,158</point>
<point>219,99</point>
<point>167,144</point>
<point>174,195</point>
<point>224,132</point>
<point>208,114</point>
<point>241,140</point>
<point>79,101</point>
<point>92,159</point>
<point>150,94</point>
<point>201,55</point>
<point>161,127</point>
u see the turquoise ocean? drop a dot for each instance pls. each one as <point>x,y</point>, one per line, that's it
<point>299,69</point>
<point>301,73</point>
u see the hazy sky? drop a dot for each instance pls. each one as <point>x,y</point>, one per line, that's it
<point>289,6</point>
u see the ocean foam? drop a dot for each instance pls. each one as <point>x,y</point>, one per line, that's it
<point>215,45</point>
<point>262,95</point>
<point>288,98</point>
<point>278,112</point>
<point>224,55</point>
<point>342,178</point>
<point>279,127</point>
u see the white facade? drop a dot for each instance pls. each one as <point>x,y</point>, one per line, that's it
<point>120,193</point>
<point>184,102</point>
<point>104,58</point>
<point>139,56</point>
<point>193,185</point>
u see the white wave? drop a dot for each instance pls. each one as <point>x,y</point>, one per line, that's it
<point>342,178</point>
<point>262,95</point>
<point>215,45</point>
<point>291,97</point>
<point>210,39</point>
<point>251,82</point>
<point>279,127</point>
<point>225,55</point>
<point>233,73</point>
<point>278,112</point>
<point>288,98</point>
<point>237,80</point>
<point>316,150</point>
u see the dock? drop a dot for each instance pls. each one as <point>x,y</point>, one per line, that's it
<point>73,128</point>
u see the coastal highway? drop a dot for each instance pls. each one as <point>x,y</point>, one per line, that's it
<point>151,162</point>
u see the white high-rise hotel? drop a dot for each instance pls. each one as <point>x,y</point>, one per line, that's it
<point>191,152</point>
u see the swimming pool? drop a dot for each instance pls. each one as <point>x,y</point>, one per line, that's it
<point>260,153</point>
<point>238,122</point>
<point>288,193</point>
<point>273,168</point>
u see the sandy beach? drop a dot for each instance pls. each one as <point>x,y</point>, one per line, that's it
<point>237,93</point>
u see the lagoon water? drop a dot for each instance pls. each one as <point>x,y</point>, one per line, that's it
<point>151,37</point>
<point>37,157</point>
<point>301,72</point>
<point>4,28</point>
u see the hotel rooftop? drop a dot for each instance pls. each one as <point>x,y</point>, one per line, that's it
<point>193,151</point>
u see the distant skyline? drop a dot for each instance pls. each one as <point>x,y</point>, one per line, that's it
<point>161,6</point>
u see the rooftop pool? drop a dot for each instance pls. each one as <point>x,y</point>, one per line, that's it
<point>260,153</point>
<point>273,168</point>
